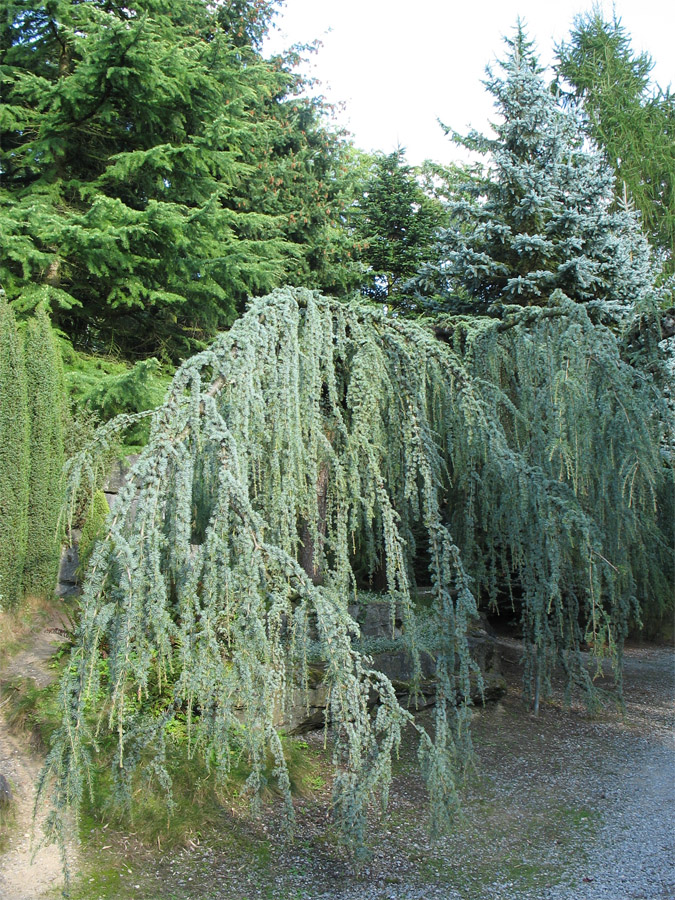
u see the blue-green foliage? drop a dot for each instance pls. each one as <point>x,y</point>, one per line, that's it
<point>544,229</point>
<point>523,447</point>
<point>574,530</point>
<point>544,217</point>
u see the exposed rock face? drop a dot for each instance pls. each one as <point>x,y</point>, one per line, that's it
<point>117,478</point>
<point>380,637</point>
<point>68,584</point>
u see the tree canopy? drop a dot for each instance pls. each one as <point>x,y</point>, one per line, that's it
<point>313,445</point>
<point>543,216</point>
<point>629,118</point>
<point>158,174</point>
<point>156,170</point>
<point>395,222</point>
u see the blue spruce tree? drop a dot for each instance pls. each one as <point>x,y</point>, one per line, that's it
<point>543,217</point>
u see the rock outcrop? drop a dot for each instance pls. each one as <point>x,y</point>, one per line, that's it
<point>384,641</point>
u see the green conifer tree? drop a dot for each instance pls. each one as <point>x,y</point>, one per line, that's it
<point>395,223</point>
<point>543,217</point>
<point>302,174</point>
<point>629,118</point>
<point>131,138</point>
<point>46,412</point>
<point>14,459</point>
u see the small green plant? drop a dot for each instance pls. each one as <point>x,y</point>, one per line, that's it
<point>7,814</point>
<point>104,387</point>
<point>31,709</point>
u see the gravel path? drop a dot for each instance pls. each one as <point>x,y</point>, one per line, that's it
<point>565,806</point>
<point>633,857</point>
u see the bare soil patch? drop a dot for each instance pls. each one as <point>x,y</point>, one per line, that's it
<point>26,874</point>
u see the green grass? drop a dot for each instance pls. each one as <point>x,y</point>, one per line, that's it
<point>126,843</point>
<point>7,823</point>
<point>199,801</point>
<point>17,625</point>
<point>31,710</point>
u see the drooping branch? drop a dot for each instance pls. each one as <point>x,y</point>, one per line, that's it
<point>311,445</point>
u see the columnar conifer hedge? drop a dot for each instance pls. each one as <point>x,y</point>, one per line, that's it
<point>316,448</point>
<point>32,417</point>
<point>14,465</point>
<point>46,409</point>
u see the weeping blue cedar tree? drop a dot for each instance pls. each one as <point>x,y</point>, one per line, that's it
<point>372,442</point>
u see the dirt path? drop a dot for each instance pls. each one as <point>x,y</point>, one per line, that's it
<point>22,875</point>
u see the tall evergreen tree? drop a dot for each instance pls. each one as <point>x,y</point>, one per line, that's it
<point>46,410</point>
<point>544,215</point>
<point>395,222</point>
<point>628,117</point>
<point>14,458</point>
<point>301,174</point>
<point>131,138</point>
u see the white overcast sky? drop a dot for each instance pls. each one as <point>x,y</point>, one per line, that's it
<point>398,66</point>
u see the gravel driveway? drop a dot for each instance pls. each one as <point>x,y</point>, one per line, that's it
<point>564,806</point>
<point>633,855</point>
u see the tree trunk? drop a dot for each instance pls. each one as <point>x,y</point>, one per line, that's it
<point>311,550</point>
